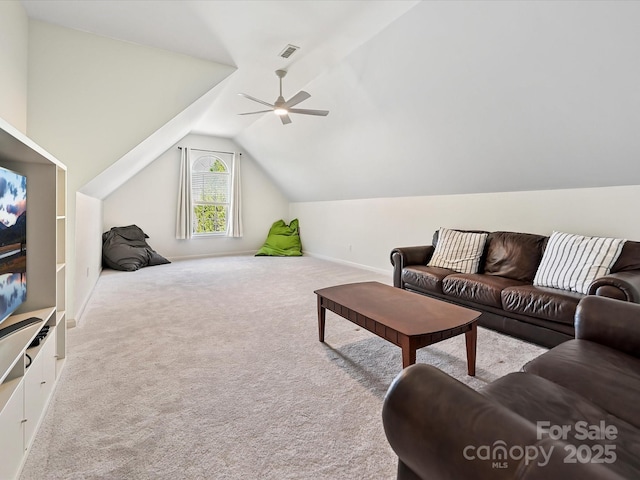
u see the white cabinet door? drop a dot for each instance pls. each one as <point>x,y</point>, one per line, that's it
<point>38,384</point>
<point>12,437</point>
<point>48,365</point>
<point>33,401</point>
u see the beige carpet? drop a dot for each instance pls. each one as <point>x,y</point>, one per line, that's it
<point>211,369</point>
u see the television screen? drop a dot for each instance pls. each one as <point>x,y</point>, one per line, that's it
<point>13,241</point>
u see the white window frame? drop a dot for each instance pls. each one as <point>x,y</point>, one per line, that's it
<point>199,161</point>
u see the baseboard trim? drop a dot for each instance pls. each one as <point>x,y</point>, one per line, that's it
<point>209,255</point>
<point>350,264</point>
<point>74,322</point>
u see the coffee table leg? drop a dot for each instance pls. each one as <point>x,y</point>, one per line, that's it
<point>470,338</point>
<point>408,352</point>
<point>321,317</point>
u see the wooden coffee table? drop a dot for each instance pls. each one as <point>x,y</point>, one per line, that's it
<point>408,320</point>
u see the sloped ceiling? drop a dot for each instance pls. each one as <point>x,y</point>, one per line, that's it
<point>469,97</point>
<point>425,97</point>
<point>246,34</point>
<point>93,99</point>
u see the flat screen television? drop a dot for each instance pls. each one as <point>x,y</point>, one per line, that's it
<point>13,242</point>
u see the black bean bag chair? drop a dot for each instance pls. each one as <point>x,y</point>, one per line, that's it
<point>126,248</point>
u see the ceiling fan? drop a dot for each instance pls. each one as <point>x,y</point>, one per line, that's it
<point>283,108</point>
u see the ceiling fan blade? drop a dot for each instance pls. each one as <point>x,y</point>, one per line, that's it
<point>253,113</point>
<point>297,98</point>
<point>255,99</point>
<point>285,119</point>
<point>304,111</point>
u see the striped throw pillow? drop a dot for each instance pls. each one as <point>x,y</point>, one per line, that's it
<point>572,262</point>
<point>459,251</point>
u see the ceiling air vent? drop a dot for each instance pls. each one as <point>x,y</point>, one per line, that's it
<point>288,51</point>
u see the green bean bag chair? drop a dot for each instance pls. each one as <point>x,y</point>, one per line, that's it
<point>282,241</point>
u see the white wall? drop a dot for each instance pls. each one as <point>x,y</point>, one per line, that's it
<point>88,250</point>
<point>372,227</point>
<point>149,201</point>
<point>92,99</point>
<point>14,35</point>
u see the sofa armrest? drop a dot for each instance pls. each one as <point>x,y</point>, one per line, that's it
<point>404,256</point>
<point>609,322</point>
<point>437,426</point>
<point>621,285</point>
<point>431,418</point>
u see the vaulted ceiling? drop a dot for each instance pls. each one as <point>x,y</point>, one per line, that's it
<point>424,97</point>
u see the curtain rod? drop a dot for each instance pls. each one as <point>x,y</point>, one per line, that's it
<point>212,151</point>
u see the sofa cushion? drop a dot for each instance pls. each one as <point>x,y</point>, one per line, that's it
<point>572,262</point>
<point>540,400</point>
<point>436,234</point>
<point>478,288</point>
<point>629,258</point>
<point>586,368</point>
<point>428,279</point>
<point>541,302</point>
<point>459,251</point>
<point>514,255</point>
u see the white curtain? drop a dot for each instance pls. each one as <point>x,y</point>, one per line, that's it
<point>235,226</point>
<point>184,214</point>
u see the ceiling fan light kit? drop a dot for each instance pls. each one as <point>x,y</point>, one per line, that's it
<point>282,107</point>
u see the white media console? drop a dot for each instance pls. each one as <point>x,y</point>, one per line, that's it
<point>28,375</point>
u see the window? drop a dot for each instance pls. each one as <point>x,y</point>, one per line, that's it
<point>211,194</point>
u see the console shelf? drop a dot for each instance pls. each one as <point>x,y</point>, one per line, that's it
<point>28,375</point>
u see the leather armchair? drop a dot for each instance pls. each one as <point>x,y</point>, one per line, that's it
<point>436,424</point>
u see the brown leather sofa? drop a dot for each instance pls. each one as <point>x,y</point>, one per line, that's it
<point>503,288</point>
<point>571,413</point>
